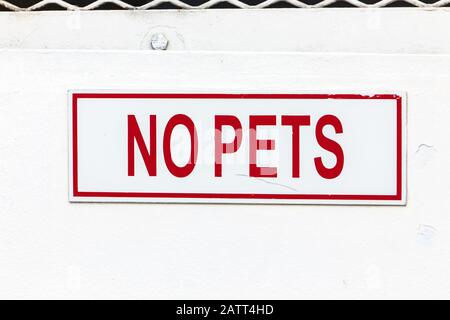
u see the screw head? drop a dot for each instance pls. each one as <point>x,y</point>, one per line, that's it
<point>159,42</point>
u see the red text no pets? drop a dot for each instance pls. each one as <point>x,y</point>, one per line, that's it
<point>295,122</point>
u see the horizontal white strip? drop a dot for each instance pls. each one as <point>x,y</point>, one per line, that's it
<point>389,30</point>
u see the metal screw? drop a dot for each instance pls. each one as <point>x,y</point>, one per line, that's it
<point>159,42</point>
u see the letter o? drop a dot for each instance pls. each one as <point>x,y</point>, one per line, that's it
<point>180,119</point>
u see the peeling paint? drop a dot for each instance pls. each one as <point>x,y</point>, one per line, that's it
<point>424,154</point>
<point>425,234</point>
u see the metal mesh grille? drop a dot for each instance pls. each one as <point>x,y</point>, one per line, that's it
<point>36,5</point>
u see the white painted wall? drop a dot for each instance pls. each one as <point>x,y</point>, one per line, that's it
<point>386,30</point>
<point>50,248</point>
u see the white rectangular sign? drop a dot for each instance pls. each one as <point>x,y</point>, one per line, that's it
<point>238,148</point>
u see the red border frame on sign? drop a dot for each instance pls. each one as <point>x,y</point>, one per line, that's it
<point>77,193</point>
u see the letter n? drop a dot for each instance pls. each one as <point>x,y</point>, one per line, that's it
<point>134,134</point>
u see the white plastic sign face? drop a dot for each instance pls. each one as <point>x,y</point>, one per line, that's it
<point>238,148</point>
